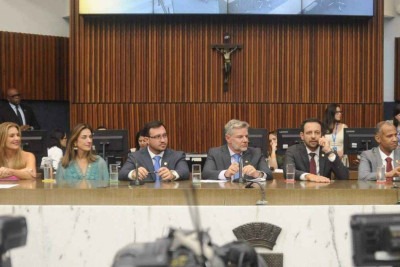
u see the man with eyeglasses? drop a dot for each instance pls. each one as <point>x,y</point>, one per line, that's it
<point>156,162</point>
<point>223,162</point>
<point>18,113</point>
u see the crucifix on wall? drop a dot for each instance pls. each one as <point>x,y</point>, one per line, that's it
<point>226,49</point>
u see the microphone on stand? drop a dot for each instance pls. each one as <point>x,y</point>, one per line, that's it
<point>137,181</point>
<point>241,180</point>
<point>262,201</point>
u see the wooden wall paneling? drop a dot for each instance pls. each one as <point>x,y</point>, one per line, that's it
<point>35,64</point>
<point>133,69</point>
<point>397,69</point>
<point>202,125</point>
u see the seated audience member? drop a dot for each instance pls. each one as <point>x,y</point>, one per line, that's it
<point>79,161</point>
<point>387,153</point>
<point>335,130</point>
<point>18,113</point>
<point>274,161</point>
<point>14,162</point>
<point>55,147</point>
<point>223,162</point>
<point>314,159</point>
<point>141,140</point>
<point>156,162</point>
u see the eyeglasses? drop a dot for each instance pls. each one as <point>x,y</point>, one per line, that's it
<point>159,136</point>
<point>339,112</point>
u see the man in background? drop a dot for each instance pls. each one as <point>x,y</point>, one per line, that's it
<point>18,113</point>
<point>156,162</point>
<point>223,162</point>
<point>314,160</point>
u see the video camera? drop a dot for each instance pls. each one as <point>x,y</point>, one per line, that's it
<point>187,248</point>
<point>13,234</point>
<point>376,239</point>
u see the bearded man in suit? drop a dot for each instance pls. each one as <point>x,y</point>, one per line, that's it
<point>223,162</point>
<point>314,160</point>
<point>156,162</point>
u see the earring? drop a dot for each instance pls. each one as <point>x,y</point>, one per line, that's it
<point>75,147</point>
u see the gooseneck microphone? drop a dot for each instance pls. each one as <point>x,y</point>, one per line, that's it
<point>241,180</point>
<point>262,201</point>
<point>137,181</point>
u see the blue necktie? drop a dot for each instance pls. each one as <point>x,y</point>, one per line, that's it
<point>237,159</point>
<point>157,167</point>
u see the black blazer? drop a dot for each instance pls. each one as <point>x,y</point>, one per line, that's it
<point>219,158</point>
<point>7,114</point>
<point>297,154</point>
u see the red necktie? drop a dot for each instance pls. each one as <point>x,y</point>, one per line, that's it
<point>389,167</point>
<point>313,164</point>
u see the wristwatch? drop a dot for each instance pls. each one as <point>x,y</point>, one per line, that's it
<point>329,153</point>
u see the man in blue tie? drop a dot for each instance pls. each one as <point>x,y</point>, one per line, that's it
<point>156,162</point>
<point>223,162</point>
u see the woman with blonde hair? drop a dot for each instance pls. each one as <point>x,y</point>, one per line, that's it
<point>14,162</point>
<point>79,161</point>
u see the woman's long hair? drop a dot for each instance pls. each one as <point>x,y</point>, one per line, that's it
<point>329,117</point>
<point>16,162</point>
<point>70,153</point>
<point>269,145</point>
<point>55,138</point>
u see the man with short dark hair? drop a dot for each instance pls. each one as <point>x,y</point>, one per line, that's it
<point>386,154</point>
<point>223,162</point>
<point>314,160</point>
<point>18,113</point>
<point>156,162</point>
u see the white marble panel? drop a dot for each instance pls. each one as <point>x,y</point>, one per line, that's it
<point>91,235</point>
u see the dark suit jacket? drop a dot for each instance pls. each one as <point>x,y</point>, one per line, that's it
<point>7,114</point>
<point>173,160</point>
<point>219,159</point>
<point>297,154</point>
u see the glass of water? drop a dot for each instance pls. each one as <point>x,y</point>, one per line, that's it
<point>290,170</point>
<point>113,173</point>
<point>380,174</point>
<point>196,173</point>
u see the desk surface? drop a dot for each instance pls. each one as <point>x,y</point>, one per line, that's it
<point>278,192</point>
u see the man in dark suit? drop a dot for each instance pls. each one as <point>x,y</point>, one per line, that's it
<point>314,160</point>
<point>19,113</point>
<point>386,154</point>
<point>156,162</point>
<point>223,162</point>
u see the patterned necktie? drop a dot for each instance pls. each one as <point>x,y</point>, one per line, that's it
<point>21,122</point>
<point>157,167</point>
<point>389,167</point>
<point>313,164</point>
<point>237,159</point>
